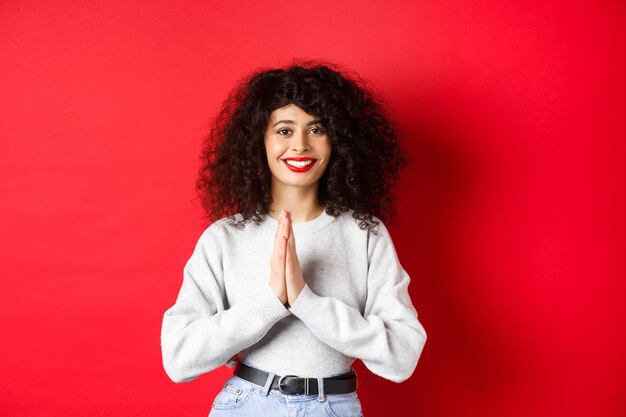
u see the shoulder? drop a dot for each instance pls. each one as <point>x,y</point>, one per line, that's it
<point>372,226</point>
<point>221,229</point>
<point>357,228</point>
<point>377,234</point>
<point>376,239</point>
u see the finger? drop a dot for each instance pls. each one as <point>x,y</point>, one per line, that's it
<point>280,224</point>
<point>292,241</point>
<point>293,237</point>
<point>286,224</point>
<point>288,257</point>
<point>293,253</point>
<point>282,254</point>
<point>292,265</point>
<point>277,239</point>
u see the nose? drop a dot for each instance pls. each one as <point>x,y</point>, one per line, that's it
<point>300,142</point>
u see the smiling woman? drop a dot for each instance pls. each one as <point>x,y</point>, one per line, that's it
<point>299,154</point>
<point>278,106</point>
<point>298,151</point>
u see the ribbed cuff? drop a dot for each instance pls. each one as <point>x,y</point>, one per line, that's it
<point>267,306</point>
<point>305,303</point>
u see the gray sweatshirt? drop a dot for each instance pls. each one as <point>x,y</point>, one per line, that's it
<point>355,304</point>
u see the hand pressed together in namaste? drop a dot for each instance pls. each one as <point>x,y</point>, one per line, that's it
<point>286,277</point>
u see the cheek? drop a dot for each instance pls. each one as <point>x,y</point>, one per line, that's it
<point>329,151</point>
<point>273,150</point>
<point>329,144</point>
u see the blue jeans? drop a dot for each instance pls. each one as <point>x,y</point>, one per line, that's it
<point>242,398</point>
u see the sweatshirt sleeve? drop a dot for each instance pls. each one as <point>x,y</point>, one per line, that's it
<point>388,337</point>
<point>198,333</point>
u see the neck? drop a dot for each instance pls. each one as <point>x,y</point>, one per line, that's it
<point>300,202</point>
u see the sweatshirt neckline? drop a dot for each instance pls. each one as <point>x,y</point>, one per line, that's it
<point>310,226</point>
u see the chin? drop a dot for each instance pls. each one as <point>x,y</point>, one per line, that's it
<point>298,183</point>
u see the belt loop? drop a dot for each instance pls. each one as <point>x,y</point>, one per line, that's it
<point>268,384</point>
<point>320,388</point>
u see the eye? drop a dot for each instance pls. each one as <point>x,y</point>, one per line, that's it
<point>317,130</point>
<point>283,130</point>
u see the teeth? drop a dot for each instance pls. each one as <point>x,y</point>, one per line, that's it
<point>299,164</point>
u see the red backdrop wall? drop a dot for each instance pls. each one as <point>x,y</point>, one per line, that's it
<point>511,217</point>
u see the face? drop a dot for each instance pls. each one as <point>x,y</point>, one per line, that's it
<point>297,146</point>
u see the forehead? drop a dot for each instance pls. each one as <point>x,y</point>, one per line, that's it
<point>292,112</point>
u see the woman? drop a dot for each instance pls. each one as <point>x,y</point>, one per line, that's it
<point>304,278</point>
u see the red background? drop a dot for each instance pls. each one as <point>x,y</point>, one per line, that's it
<point>511,217</point>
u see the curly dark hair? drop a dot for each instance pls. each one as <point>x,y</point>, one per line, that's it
<point>365,157</point>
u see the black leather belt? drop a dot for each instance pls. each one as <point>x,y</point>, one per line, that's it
<point>294,385</point>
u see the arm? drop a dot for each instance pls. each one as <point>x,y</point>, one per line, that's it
<point>388,337</point>
<point>198,334</point>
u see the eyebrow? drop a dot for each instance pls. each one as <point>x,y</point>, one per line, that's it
<point>312,122</point>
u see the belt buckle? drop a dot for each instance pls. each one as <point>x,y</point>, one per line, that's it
<point>280,383</point>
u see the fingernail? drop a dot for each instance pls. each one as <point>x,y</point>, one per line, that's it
<point>280,216</point>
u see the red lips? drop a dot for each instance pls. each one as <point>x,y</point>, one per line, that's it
<point>298,169</point>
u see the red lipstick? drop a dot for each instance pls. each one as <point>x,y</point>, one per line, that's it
<point>304,168</point>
